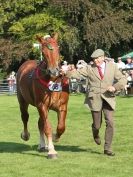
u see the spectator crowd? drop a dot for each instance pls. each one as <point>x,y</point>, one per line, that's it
<point>79,86</point>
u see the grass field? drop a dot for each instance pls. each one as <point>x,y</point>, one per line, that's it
<point>78,155</point>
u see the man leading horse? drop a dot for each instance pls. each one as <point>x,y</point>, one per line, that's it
<point>104,79</point>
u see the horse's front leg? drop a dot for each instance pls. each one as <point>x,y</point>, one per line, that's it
<point>42,147</point>
<point>47,129</point>
<point>61,125</point>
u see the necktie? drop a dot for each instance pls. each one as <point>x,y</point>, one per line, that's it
<point>100,71</point>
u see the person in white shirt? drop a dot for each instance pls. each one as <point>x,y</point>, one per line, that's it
<point>82,82</point>
<point>129,62</point>
<point>120,63</point>
<point>12,83</point>
<point>64,67</point>
<point>129,73</point>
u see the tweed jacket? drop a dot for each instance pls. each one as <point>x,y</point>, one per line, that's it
<point>97,88</point>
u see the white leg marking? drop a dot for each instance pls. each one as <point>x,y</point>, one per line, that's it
<point>42,143</point>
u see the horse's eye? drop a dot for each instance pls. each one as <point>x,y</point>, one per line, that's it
<point>49,47</point>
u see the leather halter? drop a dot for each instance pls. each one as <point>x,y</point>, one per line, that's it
<point>40,79</point>
<point>40,76</point>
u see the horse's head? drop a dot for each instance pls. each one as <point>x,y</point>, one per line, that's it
<point>50,52</point>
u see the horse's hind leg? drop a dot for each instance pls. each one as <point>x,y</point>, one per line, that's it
<point>61,125</point>
<point>25,135</point>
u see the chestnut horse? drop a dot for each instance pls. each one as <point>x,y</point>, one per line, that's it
<point>42,86</point>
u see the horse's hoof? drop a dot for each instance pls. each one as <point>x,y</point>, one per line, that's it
<point>25,137</point>
<point>52,156</point>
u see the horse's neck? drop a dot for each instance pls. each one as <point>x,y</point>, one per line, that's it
<point>42,67</point>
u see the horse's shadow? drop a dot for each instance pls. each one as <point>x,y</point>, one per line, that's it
<point>12,147</point>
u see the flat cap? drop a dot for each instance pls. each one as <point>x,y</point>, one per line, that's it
<point>97,53</point>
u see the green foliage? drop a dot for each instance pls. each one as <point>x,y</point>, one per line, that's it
<point>70,43</point>
<point>122,4</point>
<point>16,28</point>
<point>23,20</point>
<point>82,25</point>
<point>11,51</point>
<point>102,24</point>
<point>39,23</point>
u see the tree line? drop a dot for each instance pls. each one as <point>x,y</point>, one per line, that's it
<point>82,25</point>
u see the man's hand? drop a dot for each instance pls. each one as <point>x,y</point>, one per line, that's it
<point>111,89</point>
<point>69,68</point>
<point>62,73</point>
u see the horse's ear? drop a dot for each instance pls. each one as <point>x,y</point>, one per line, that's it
<point>39,38</point>
<point>55,36</point>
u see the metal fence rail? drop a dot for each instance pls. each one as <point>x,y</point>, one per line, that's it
<point>74,87</point>
<point>5,89</point>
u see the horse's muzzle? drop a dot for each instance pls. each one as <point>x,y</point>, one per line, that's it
<point>54,72</point>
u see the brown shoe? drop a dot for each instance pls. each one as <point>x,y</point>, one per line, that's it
<point>109,153</point>
<point>97,140</point>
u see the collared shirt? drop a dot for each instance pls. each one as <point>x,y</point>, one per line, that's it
<point>102,66</point>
